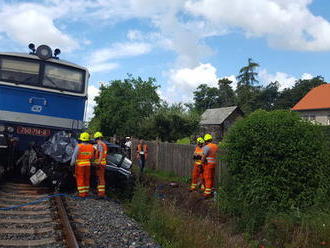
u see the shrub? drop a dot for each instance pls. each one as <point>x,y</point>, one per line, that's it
<point>277,162</point>
<point>326,131</point>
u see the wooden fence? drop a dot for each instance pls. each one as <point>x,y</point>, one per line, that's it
<point>177,158</point>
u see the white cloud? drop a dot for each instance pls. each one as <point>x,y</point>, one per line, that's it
<point>306,76</point>
<point>92,93</point>
<point>86,42</point>
<point>103,67</point>
<point>25,23</point>
<point>284,79</point>
<point>286,24</point>
<point>120,50</point>
<point>185,80</point>
<point>184,39</point>
<point>135,35</point>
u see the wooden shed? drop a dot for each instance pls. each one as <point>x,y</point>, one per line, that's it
<point>217,121</point>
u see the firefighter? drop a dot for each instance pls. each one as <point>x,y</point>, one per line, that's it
<point>100,162</point>
<point>141,154</point>
<point>209,159</point>
<point>197,172</point>
<point>81,158</point>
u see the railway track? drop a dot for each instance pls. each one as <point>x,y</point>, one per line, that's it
<point>44,224</point>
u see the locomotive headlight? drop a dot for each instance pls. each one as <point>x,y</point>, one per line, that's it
<point>10,129</point>
<point>44,52</point>
<point>2,128</point>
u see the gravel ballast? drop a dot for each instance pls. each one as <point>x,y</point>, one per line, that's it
<point>108,226</point>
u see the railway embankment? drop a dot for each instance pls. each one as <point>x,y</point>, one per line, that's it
<point>176,217</point>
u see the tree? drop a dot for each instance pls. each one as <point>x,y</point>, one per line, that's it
<point>170,123</point>
<point>227,95</point>
<point>247,75</point>
<point>246,91</point>
<point>123,104</point>
<point>267,96</point>
<point>206,97</point>
<point>289,97</point>
<point>247,97</point>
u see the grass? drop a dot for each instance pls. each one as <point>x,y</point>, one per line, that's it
<point>174,228</point>
<point>306,230</point>
<point>295,228</point>
<point>166,176</point>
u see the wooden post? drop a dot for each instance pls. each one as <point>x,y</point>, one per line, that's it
<point>157,154</point>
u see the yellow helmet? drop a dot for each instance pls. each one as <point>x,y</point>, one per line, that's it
<point>84,136</point>
<point>98,135</point>
<point>208,137</point>
<point>200,140</point>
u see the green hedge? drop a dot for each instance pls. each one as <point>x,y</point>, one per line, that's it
<point>277,163</point>
<point>326,131</point>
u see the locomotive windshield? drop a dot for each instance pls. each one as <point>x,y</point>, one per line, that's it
<point>19,71</point>
<point>42,74</point>
<point>63,78</point>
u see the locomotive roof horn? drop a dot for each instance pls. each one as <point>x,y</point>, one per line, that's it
<point>44,52</point>
<point>32,48</point>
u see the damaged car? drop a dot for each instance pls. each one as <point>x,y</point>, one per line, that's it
<point>49,164</point>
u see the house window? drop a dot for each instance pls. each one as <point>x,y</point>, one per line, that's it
<point>310,118</point>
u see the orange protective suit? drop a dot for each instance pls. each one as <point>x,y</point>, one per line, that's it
<point>197,172</point>
<point>100,168</point>
<point>83,168</point>
<point>209,168</point>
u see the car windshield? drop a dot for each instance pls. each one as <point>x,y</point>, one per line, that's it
<point>115,158</point>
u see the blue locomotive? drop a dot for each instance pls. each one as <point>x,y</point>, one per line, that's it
<point>40,94</point>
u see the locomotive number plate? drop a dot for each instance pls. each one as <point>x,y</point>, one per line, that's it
<point>33,131</point>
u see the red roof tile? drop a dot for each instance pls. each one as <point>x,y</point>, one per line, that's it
<point>316,98</point>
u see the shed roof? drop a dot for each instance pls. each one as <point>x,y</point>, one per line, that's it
<point>316,98</point>
<point>216,116</point>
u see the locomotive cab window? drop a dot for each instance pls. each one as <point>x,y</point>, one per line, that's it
<point>42,74</point>
<point>19,71</point>
<point>63,78</point>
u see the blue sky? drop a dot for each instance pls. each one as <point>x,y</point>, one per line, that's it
<point>181,43</point>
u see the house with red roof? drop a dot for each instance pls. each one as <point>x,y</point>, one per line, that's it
<point>315,105</point>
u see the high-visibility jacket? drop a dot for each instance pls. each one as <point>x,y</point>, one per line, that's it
<point>85,154</point>
<point>104,153</point>
<point>198,152</point>
<point>142,150</point>
<point>211,156</point>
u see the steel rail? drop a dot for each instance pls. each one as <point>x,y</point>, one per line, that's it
<point>70,237</point>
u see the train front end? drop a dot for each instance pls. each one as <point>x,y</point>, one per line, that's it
<point>39,95</point>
